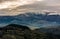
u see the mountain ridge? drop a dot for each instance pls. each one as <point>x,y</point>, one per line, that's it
<point>31,19</point>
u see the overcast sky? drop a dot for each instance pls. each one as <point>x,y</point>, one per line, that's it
<point>14,7</point>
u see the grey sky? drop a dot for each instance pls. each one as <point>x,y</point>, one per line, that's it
<point>32,6</point>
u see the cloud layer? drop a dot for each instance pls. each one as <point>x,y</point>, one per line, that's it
<point>13,7</point>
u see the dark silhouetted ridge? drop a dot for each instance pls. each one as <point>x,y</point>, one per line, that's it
<point>14,26</point>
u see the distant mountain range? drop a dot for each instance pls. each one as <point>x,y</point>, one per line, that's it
<point>31,20</point>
